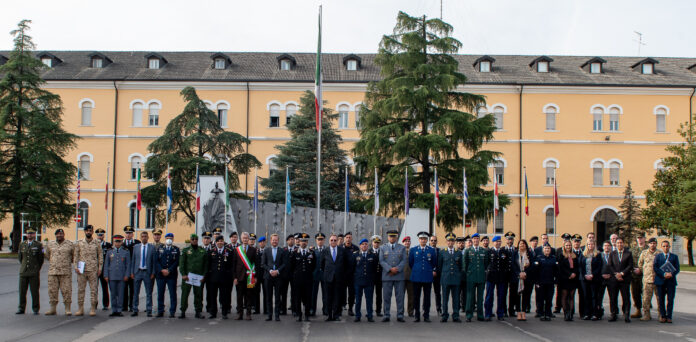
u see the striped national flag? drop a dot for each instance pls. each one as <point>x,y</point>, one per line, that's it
<point>526,195</point>
<point>406,192</point>
<point>317,81</point>
<point>256,193</point>
<point>555,198</point>
<point>376,193</point>
<point>347,195</point>
<point>288,198</point>
<point>170,195</point>
<point>77,204</point>
<point>466,195</point>
<point>437,194</point>
<point>198,191</point>
<point>106,190</point>
<point>496,205</point>
<point>139,199</point>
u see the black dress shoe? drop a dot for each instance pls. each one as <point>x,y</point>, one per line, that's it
<point>456,320</point>
<point>269,318</point>
<point>468,320</point>
<point>19,312</point>
<point>306,319</point>
<point>612,318</point>
<point>106,308</point>
<point>627,319</point>
<point>416,320</point>
<point>113,314</point>
<point>119,314</point>
<point>224,316</point>
<point>350,312</point>
<point>480,319</point>
<point>488,319</point>
<point>379,314</point>
<point>356,319</point>
<point>36,313</point>
<point>370,319</point>
<point>385,319</point>
<point>135,314</point>
<point>537,316</point>
<point>400,319</point>
<point>171,315</point>
<point>501,318</point>
<point>277,319</point>
<point>160,314</point>
<point>182,316</point>
<point>149,314</point>
<point>212,316</point>
<point>443,319</point>
<point>426,319</point>
<point>198,315</point>
<point>557,311</point>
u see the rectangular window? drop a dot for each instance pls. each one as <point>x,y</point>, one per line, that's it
<point>153,63</point>
<point>96,63</point>
<point>222,117</point>
<point>543,67</point>
<point>595,68</point>
<point>219,63</point>
<point>86,114</point>
<point>275,116</point>
<point>500,174</point>
<point>285,64</point>
<point>549,221</point>
<point>597,122</point>
<point>614,176</point>
<point>647,68</point>
<point>500,222</point>
<point>661,124</point>
<point>150,218</point>
<point>613,122</point>
<point>482,226</point>
<point>597,176</point>
<point>549,175</point>
<point>550,121</point>
<point>499,120</point>
<point>46,61</point>
<point>352,65</point>
<point>485,66</point>
<point>343,119</point>
<point>153,118</point>
<point>84,169</point>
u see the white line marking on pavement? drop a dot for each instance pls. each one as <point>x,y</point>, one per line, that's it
<point>305,331</point>
<point>529,333</point>
<point>46,329</point>
<point>109,327</point>
<point>671,333</point>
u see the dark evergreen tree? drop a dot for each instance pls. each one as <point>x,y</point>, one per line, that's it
<point>627,226</point>
<point>416,117</point>
<point>300,155</point>
<point>34,176</point>
<point>192,138</point>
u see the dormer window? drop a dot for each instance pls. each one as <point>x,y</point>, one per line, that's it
<point>47,61</point>
<point>595,68</point>
<point>645,66</point>
<point>352,65</point>
<point>286,62</point>
<point>220,61</point>
<point>484,64</point>
<point>352,62</point>
<point>97,63</point>
<point>594,65</point>
<point>98,60</point>
<point>3,59</point>
<point>542,64</point>
<point>155,61</point>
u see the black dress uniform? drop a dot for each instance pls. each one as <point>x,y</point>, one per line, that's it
<point>302,265</point>
<point>497,279</point>
<point>221,262</point>
<point>378,284</point>
<point>349,297</point>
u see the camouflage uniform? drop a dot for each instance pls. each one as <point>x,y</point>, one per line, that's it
<point>637,280</point>
<point>645,263</point>
<point>90,253</point>
<point>60,257</point>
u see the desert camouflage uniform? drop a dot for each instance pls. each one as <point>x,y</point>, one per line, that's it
<point>60,257</point>
<point>90,253</point>
<point>645,263</point>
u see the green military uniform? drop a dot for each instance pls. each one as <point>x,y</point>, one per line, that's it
<point>193,260</point>
<point>637,281</point>
<point>474,266</point>
<point>31,258</point>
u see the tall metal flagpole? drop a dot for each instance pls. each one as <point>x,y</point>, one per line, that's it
<point>256,199</point>
<point>195,205</point>
<point>525,198</point>
<point>106,198</point>
<point>346,205</point>
<point>166,220</point>
<point>465,204</point>
<point>553,200</point>
<point>495,199</point>
<point>285,207</point>
<point>318,118</point>
<point>374,215</point>
<point>226,200</point>
<point>77,204</point>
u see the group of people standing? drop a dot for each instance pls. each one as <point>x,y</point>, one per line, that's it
<point>472,273</point>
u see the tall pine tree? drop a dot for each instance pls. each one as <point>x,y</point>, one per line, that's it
<point>34,176</point>
<point>300,155</point>
<point>628,224</point>
<point>192,138</point>
<point>415,118</point>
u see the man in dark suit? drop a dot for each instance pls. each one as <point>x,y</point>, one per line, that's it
<point>349,284</point>
<point>376,242</point>
<point>333,264</point>
<point>274,261</point>
<point>318,277</point>
<point>129,287</point>
<point>665,281</point>
<point>302,265</point>
<point>286,284</point>
<point>620,270</point>
<point>244,278</point>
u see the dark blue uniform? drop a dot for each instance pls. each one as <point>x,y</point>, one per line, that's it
<point>364,267</point>
<point>497,278</point>
<point>302,266</point>
<point>317,284</point>
<point>423,262</point>
<point>167,258</point>
<point>546,271</point>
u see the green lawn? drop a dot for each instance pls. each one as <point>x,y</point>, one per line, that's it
<point>8,255</point>
<point>687,268</point>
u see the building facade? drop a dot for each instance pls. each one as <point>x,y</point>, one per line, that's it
<point>592,123</point>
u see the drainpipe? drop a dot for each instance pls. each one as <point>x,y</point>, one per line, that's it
<point>691,113</point>
<point>246,176</point>
<point>523,230</point>
<point>113,160</point>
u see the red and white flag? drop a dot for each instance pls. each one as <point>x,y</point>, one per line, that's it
<point>496,205</point>
<point>437,194</point>
<point>317,80</point>
<point>198,191</point>
<point>555,199</point>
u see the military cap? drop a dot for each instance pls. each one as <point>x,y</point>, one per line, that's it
<point>423,235</point>
<point>340,235</point>
<point>252,236</point>
<point>303,236</point>
<point>566,236</point>
<point>217,230</point>
<point>407,238</point>
<point>262,239</point>
<point>118,237</point>
<point>459,239</point>
<point>392,233</point>
<point>319,236</point>
<point>363,241</point>
<point>89,227</point>
<point>534,238</point>
<point>475,235</point>
<point>652,239</point>
<point>30,231</point>
<point>128,229</point>
<point>219,238</point>
<point>194,237</point>
<point>510,235</point>
<point>207,234</point>
<point>348,233</point>
<point>291,236</point>
<point>467,238</point>
<point>59,230</point>
<point>450,237</point>
<point>169,235</point>
<point>484,238</point>
<point>157,232</point>
<point>233,234</point>
<point>577,237</point>
<point>297,235</point>
<point>496,238</point>
<point>376,238</point>
<point>100,231</point>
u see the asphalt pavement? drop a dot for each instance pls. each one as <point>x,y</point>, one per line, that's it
<point>102,328</point>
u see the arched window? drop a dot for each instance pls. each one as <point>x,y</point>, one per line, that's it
<point>357,116</point>
<point>499,171</point>
<point>84,167</point>
<point>551,118</point>
<point>549,221</point>
<point>498,112</point>
<point>482,226</point>
<point>86,113</point>
<point>153,117</point>
<point>597,173</point>
<point>614,168</point>
<point>500,222</point>
<point>275,115</point>
<point>222,109</point>
<point>481,111</point>
<point>133,216</point>
<point>135,165</point>
<point>290,111</point>
<point>597,114</point>
<point>84,215</point>
<point>343,116</point>
<point>614,119</point>
<point>150,215</point>
<point>550,167</point>
<point>272,167</point>
<point>137,114</point>
<point>661,120</point>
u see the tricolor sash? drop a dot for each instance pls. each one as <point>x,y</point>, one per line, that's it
<point>251,269</point>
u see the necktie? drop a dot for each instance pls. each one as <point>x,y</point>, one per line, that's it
<point>143,252</point>
<point>620,254</point>
<point>392,247</point>
<point>333,253</point>
<point>275,251</point>
<point>364,255</point>
<point>245,249</point>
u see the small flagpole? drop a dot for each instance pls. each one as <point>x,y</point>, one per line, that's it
<point>374,222</point>
<point>256,200</point>
<point>77,202</point>
<point>166,220</point>
<point>495,186</point>
<point>553,201</point>
<point>525,199</point>
<point>464,204</point>
<point>285,209</point>
<point>226,199</point>
<point>106,198</point>
<point>345,214</point>
<point>195,205</point>
<point>434,204</point>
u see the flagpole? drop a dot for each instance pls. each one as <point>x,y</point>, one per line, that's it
<point>435,204</point>
<point>374,217</point>
<point>106,198</point>
<point>553,200</point>
<point>256,200</point>
<point>495,187</point>
<point>464,203</point>
<point>525,197</point>
<point>345,214</point>
<point>226,200</point>
<point>166,220</point>
<point>77,203</point>
<point>319,124</point>
<point>195,206</point>
<point>285,209</point>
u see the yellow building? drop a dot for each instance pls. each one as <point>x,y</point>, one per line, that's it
<point>599,122</point>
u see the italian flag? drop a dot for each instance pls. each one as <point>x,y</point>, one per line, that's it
<point>317,80</point>
<point>139,200</point>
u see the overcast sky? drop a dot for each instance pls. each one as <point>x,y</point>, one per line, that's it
<point>531,27</point>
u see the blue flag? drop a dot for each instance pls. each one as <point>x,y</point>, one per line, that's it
<point>170,196</point>
<point>347,197</point>
<point>256,193</point>
<point>288,205</point>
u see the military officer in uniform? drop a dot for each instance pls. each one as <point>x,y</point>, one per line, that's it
<point>460,242</point>
<point>194,259</point>
<point>450,267</point>
<point>393,259</point>
<point>89,252</point>
<point>60,254</point>
<point>260,287</point>
<point>105,246</point>
<point>497,278</point>
<point>484,242</point>
<point>637,281</point>
<point>206,246</point>
<point>423,262</point>
<point>128,243</point>
<point>476,262</point>
<point>376,242</point>
<point>408,285</point>
<point>364,265</point>
<point>220,279</point>
<point>117,271</point>
<point>513,296</point>
<point>31,258</point>
<point>285,278</point>
<point>166,273</point>
<point>217,232</point>
<point>207,241</point>
<point>303,262</point>
<point>645,263</point>
<point>157,239</point>
<point>318,278</point>
<point>350,286</point>
<point>436,280</point>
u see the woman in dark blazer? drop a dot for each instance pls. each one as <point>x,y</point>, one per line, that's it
<point>545,269</point>
<point>591,281</point>
<point>521,265</point>
<point>568,279</point>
